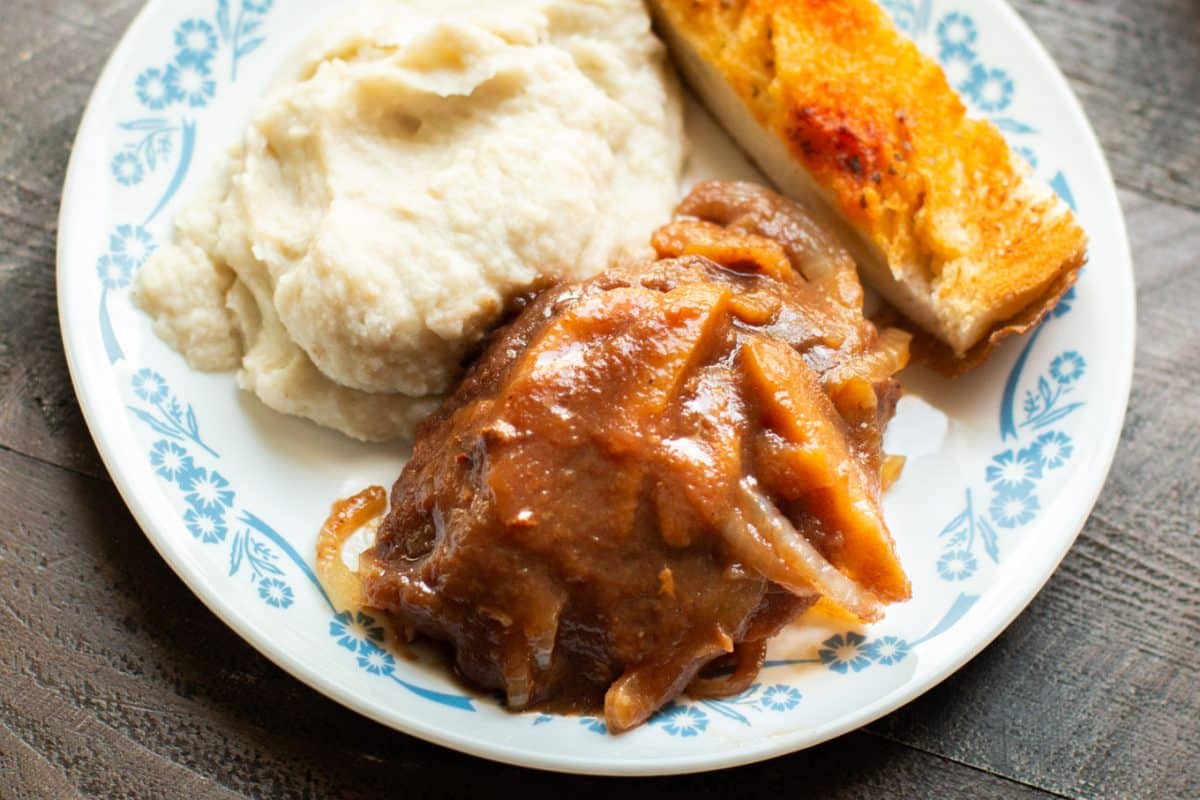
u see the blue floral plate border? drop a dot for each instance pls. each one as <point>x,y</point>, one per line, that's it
<point>1004,466</point>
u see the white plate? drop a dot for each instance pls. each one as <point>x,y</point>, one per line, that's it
<point>1004,465</point>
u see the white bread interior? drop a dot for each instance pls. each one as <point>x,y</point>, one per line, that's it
<point>959,320</point>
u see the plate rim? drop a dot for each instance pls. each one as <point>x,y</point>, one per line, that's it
<point>991,620</point>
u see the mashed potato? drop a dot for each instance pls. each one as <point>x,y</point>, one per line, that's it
<point>433,161</point>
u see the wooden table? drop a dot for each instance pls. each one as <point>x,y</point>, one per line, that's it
<point>115,681</point>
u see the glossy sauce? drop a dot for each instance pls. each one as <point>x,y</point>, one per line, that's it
<point>649,473</point>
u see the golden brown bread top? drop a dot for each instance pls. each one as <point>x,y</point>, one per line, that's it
<point>876,124</point>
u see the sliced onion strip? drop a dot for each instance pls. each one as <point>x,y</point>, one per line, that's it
<point>341,583</point>
<point>643,690</point>
<point>748,660</point>
<point>767,542</point>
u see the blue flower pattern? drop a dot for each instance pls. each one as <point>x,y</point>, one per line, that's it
<point>990,89</point>
<point>887,650</point>
<point>207,491</point>
<point>153,90</point>
<point>170,417</point>
<point>961,70</point>
<point>593,724</point>
<point>1052,449</point>
<point>956,33</point>
<point>848,653</point>
<point>208,498</point>
<point>170,461</point>
<point>1014,471</point>
<point>196,38</point>
<point>189,80</point>
<point>351,628</point>
<point>127,169</point>
<point>681,720</point>
<point>374,659</point>
<point>1013,475</point>
<point>957,565</point>
<point>780,697</point>
<point>207,525</point>
<point>1047,404</point>
<point>844,652</point>
<point>131,243</point>
<point>128,248</point>
<point>1064,305</point>
<point>1013,508</point>
<point>275,592</point>
<point>114,272</point>
<point>150,386</point>
<point>1067,368</point>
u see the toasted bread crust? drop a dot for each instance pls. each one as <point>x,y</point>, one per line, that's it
<point>966,240</point>
<point>937,354</point>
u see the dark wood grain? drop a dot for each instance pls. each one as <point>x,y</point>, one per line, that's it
<point>1136,68</point>
<point>1100,679</point>
<point>50,55</point>
<point>119,683</point>
<point>116,681</point>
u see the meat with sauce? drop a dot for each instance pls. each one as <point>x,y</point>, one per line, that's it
<point>647,474</point>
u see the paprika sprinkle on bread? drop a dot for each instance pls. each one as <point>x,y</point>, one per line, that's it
<point>844,113</point>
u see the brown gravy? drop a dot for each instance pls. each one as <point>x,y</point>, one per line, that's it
<point>651,472</point>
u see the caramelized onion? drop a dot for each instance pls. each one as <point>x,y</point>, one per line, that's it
<point>889,356</point>
<point>643,690</point>
<point>597,499</point>
<point>341,583</point>
<point>767,542</point>
<point>748,659</point>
